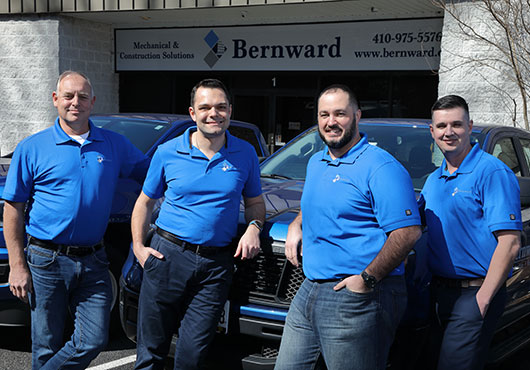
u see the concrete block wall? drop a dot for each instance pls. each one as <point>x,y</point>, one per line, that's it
<point>89,47</point>
<point>472,69</point>
<point>28,69</point>
<point>33,52</point>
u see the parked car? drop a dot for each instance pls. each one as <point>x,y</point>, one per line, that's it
<point>264,287</point>
<point>146,132</point>
<point>12,311</point>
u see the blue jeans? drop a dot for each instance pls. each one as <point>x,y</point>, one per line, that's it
<point>350,330</point>
<point>182,289</point>
<point>62,285</point>
<point>460,336</point>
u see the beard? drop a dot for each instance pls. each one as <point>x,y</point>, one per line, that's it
<point>346,138</point>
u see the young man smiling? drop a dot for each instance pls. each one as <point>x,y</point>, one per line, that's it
<point>356,233</point>
<point>473,217</point>
<point>188,267</point>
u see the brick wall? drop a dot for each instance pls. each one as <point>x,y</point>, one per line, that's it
<point>28,69</point>
<point>33,52</point>
<point>89,47</point>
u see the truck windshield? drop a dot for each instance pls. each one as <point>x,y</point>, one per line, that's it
<point>412,145</point>
<point>142,133</point>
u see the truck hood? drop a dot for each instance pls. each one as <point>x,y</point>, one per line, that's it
<point>282,201</point>
<point>280,195</point>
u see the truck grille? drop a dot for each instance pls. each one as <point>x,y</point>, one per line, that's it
<point>291,281</point>
<point>267,278</point>
<point>270,350</point>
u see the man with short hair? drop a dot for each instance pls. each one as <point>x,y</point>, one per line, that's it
<point>188,266</point>
<point>473,217</point>
<point>360,220</point>
<point>61,182</point>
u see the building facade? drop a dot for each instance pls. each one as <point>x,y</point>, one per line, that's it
<point>274,55</point>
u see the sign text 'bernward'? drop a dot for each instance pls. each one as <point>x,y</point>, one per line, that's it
<point>241,50</point>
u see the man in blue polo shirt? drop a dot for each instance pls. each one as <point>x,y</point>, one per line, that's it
<point>189,264</point>
<point>61,182</point>
<point>473,217</point>
<point>359,219</point>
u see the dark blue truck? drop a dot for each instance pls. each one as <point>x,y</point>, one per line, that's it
<point>264,287</point>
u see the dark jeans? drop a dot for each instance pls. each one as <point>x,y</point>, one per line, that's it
<point>460,337</point>
<point>351,330</point>
<point>182,289</point>
<point>80,285</point>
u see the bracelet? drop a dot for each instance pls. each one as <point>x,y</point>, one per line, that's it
<point>256,223</point>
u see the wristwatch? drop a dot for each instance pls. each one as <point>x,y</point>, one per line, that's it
<point>369,280</point>
<point>256,223</point>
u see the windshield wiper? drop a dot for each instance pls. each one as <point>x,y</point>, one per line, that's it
<point>275,176</point>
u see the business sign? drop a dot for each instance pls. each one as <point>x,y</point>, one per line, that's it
<point>349,46</point>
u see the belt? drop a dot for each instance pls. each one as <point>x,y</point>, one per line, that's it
<point>67,250</point>
<point>198,249</point>
<point>457,283</point>
<point>322,281</point>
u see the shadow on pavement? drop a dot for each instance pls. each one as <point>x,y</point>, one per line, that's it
<point>118,341</point>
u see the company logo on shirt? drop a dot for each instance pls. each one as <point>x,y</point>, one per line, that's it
<point>337,178</point>
<point>227,166</point>
<point>512,216</point>
<point>100,159</point>
<point>217,49</point>
<point>456,191</point>
<point>408,212</point>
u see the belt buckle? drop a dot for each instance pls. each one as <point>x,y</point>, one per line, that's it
<point>79,251</point>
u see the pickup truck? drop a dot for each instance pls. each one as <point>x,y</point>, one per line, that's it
<point>263,288</point>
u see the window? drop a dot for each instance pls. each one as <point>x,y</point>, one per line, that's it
<point>247,134</point>
<point>525,143</point>
<point>505,151</point>
<point>143,133</point>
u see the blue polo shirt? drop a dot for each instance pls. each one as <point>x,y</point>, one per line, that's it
<point>349,205</point>
<point>464,209</point>
<point>202,196</point>
<point>70,187</point>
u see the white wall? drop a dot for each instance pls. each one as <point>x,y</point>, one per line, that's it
<point>28,68</point>
<point>34,50</point>
<point>89,47</point>
<point>474,69</point>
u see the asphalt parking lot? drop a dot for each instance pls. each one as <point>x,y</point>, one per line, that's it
<point>15,354</point>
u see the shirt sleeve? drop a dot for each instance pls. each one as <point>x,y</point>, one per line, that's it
<point>253,185</point>
<point>501,201</point>
<point>155,183</point>
<point>393,198</point>
<point>421,208</point>
<point>134,162</point>
<point>19,182</point>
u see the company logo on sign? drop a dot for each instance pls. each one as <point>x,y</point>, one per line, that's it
<point>217,49</point>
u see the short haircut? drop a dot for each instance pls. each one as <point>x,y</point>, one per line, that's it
<point>450,102</point>
<point>209,83</point>
<point>335,87</point>
<point>70,73</point>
